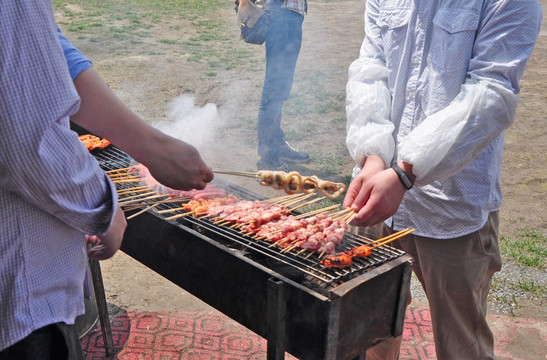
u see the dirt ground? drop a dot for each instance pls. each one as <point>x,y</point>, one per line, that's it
<point>224,105</point>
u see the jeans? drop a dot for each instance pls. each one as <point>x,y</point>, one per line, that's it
<point>283,43</point>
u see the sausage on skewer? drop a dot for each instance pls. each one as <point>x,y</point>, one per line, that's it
<point>337,260</point>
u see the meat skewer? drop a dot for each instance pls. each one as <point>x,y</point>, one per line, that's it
<point>337,260</point>
<point>366,250</point>
<point>256,217</point>
<point>342,259</point>
<point>293,182</point>
<point>318,233</point>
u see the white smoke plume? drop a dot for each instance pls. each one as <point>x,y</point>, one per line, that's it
<point>191,123</point>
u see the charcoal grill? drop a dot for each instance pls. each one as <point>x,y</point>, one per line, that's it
<point>290,299</point>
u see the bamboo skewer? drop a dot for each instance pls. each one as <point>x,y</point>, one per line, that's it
<point>126,181</point>
<point>137,205</point>
<point>135,189</point>
<point>391,238</point>
<point>118,170</point>
<point>119,176</point>
<point>351,217</point>
<point>315,212</point>
<point>307,203</point>
<point>293,199</point>
<point>123,203</point>
<point>147,192</point>
<point>146,198</point>
<point>280,199</point>
<point>296,201</point>
<point>341,213</point>
<point>348,216</point>
<point>143,210</point>
<point>300,252</point>
<point>125,178</point>
<point>166,211</point>
<point>237,173</point>
<point>388,237</point>
<point>222,222</point>
<point>178,216</point>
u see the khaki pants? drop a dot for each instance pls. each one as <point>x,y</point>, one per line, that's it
<point>456,275</point>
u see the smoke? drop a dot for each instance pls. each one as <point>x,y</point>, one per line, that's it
<point>191,123</point>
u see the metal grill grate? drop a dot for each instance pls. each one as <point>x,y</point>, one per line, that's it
<point>303,267</point>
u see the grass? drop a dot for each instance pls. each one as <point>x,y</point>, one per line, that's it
<point>311,97</point>
<point>133,22</point>
<point>527,249</point>
<point>329,162</point>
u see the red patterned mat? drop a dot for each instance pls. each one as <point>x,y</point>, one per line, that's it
<point>213,336</point>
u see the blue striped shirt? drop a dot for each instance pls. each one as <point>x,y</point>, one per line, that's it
<point>52,190</point>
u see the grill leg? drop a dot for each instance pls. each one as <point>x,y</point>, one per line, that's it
<point>277,324</point>
<point>100,297</point>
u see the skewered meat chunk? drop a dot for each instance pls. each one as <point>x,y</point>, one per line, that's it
<point>93,142</point>
<point>360,251</point>
<point>337,260</point>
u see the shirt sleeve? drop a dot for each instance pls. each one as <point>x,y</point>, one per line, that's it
<point>368,99</point>
<point>76,61</point>
<point>448,140</point>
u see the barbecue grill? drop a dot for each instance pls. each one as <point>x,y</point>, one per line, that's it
<point>290,299</point>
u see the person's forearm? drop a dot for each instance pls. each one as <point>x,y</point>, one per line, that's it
<point>368,109</point>
<point>172,162</point>
<point>449,140</point>
<point>368,97</point>
<point>103,113</point>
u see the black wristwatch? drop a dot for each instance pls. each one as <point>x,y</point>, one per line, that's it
<point>403,176</point>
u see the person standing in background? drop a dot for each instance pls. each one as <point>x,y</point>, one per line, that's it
<point>283,42</point>
<point>427,104</point>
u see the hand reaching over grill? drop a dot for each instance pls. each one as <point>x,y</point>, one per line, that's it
<point>176,164</point>
<point>106,245</point>
<point>172,162</point>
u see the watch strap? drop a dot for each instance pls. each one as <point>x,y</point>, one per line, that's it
<point>403,176</point>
